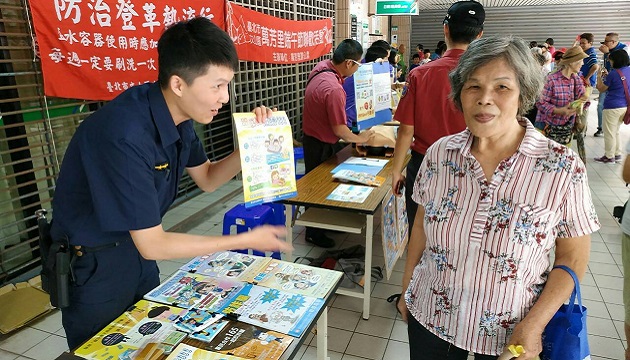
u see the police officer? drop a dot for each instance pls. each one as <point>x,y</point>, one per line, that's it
<point>121,172</point>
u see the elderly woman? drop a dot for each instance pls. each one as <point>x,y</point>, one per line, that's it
<point>493,202</point>
<point>615,103</point>
<point>555,115</point>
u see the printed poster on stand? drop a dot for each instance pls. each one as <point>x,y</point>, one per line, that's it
<point>395,229</point>
<point>373,97</point>
<point>266,158</point>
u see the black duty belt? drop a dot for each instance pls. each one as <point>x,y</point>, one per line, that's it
<point>80,250</point>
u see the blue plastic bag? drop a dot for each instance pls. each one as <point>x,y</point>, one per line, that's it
<point>565,336</point>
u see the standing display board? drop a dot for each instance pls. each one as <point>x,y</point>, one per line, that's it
<point>373,97</point>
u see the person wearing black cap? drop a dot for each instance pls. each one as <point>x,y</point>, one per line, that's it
<point>425,111</point>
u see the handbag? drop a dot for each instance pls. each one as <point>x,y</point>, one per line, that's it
<point>561,134</point>
<point>565,336</point>
<point>626,116</point>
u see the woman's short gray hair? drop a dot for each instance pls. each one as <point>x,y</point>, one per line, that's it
<point>516,54</point>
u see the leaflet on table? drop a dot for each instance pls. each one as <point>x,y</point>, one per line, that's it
<point>210,332</point>
<point>395,229</point>
<point>359,178</point>
<point>273,309</point>
<point>266,157</point>
<point>188,352</point>
<point>142,323</point>
<point>227,264</point>
<point>249,342</point>
<point>298,278</point>
<point>366,165</point>
<point>350,193</point>
<point>188,290</point>
<point>196,319</point>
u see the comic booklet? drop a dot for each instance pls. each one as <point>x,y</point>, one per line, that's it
<point>228,265</point>
<point>187,352</point>
<point>141,324</point>
<point>266,157</point>
<point>249,342</point>
<point>298,278</point>
<point>273,309</point>
<point>188,290</point>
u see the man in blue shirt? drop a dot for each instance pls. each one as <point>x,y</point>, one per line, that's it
<point>121,172</point>
<point>588,71</point>
<point>590,67</point>
<point>610,44</point>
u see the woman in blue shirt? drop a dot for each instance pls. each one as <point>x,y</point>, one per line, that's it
<point>615,103</point>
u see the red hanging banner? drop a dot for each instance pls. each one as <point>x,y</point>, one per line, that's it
<point>96,49</point>
<point>268,39</point>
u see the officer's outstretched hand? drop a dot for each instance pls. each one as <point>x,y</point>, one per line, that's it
<point>266,238</point>
<point>263,113</point>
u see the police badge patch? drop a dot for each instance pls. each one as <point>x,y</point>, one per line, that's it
<point>404,90</point>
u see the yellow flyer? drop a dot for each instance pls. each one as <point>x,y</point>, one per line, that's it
<point>131,331</point>
<point>266,158</point>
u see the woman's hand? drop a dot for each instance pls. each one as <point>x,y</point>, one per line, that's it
<point>263,113</point>
<point>401,306</point>
<point>529,337</point>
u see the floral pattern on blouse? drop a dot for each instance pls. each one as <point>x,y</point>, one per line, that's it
<point>442,331</point>
<point>499,216</point>
<point>443,301</point>
<point>529,229</point>
<point>491,322</point>
<point>440,212</point>
<point>454,169</point>
<point>560,159</point>
<point>505,265</point>
<point>440,256</point>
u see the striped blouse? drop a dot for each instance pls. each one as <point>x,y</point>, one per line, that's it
<point>488,242</point>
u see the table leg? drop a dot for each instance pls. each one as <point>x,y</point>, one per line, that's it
<point>322,336</point>
<point>367,286</point>
<point>288,211</point>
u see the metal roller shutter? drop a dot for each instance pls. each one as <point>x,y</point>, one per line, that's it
<point>562,22</point>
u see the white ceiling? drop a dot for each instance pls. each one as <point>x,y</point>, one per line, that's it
<point>445,4</point>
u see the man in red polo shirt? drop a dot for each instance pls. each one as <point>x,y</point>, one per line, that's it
<point>425,111</point>
<point>324,115</point>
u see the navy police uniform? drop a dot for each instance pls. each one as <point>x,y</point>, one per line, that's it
<point>120,172</point>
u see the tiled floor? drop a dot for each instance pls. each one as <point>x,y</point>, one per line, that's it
<point>384,335</point>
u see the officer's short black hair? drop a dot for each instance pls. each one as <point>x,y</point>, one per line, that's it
<point>382,44</point>
<point>187,48</point>
<point>348,49</point>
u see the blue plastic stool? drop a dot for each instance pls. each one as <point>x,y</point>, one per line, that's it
<point>246,219</point>
<point>279,217</point>
<point>298,153</point>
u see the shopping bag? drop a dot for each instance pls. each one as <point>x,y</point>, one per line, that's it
<point>565,336</point>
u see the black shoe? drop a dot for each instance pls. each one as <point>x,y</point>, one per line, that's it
<point>598,133</point>
<point>321,241</point>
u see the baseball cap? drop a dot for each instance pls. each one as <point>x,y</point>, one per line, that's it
<point>468,13</point>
